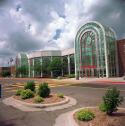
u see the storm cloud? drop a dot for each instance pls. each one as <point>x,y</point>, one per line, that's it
<point>28,25</point>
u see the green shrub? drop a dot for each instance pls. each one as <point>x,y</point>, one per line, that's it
<point>38,99</point>
<point>85,115</point>
<point>112,100</point>
<point>30,85</point>
<point>25,94</point>
<point>18,92</point>
<point>60,95</point>
<point>5,74</point>
<point>43,90</point>
<point>102,107</point>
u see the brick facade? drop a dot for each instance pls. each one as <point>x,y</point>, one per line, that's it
<point>11,69</point>
<point>121,56</point>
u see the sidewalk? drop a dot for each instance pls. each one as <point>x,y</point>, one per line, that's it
<point>118,80</point>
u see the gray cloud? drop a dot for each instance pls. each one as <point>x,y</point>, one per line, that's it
<point>41,9</point>
<point>3,2</point>
<point>27,25</point>
<point>111,13</point>
<point>23,42</point>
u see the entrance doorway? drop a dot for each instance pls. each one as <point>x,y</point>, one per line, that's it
<point>92,72</point>
<point>88,72</point>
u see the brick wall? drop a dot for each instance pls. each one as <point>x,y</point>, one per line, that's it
<point>121,56</point>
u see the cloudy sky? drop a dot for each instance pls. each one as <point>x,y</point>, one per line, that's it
<point>28,25</point>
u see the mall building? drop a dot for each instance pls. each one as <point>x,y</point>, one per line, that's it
<point>45,57</point>
<point>97,53</point>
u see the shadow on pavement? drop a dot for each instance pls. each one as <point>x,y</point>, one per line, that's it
<point>3,123</point>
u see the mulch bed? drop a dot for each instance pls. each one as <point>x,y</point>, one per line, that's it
<point>101,119</point>
<point>53,98</point>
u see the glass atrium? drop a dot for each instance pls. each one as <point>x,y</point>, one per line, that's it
<point>95,51</point>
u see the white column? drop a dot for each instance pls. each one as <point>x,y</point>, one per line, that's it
<point>41,67</point>
<point>29,66</point>
<point>33,67</point>
<point>20,66</point>
<point>106,58</point>
<point>116,57</point>
<point>76,71</point>
<point>51,71</point>
<point>62,62</point>
<point>75,67</point>
<point>69,64</point>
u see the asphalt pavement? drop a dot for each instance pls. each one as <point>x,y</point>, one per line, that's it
<point>86,95</point>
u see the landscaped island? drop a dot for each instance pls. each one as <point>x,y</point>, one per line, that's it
<point>40,95</point>
<point>107,114</point>
<point>102,119</point>
<point>38,98</point>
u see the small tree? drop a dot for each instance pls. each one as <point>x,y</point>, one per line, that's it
<point>112,100</point>
<point>56,66</point>
<point>45,65</point>
<point>23,70</point>
<point>37,67</point>
<point>65,65</point>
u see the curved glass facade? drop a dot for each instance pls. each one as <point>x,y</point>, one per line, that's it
<point>95,51</point>
<point>22,65</point>
<point>22,60</point>
<point>36,64</point>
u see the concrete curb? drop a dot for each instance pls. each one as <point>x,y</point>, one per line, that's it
<point>46,107</point>
<point>66,100</point>
<point>67,119</point>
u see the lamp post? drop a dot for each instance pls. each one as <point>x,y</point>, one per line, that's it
<point>11,61</point>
